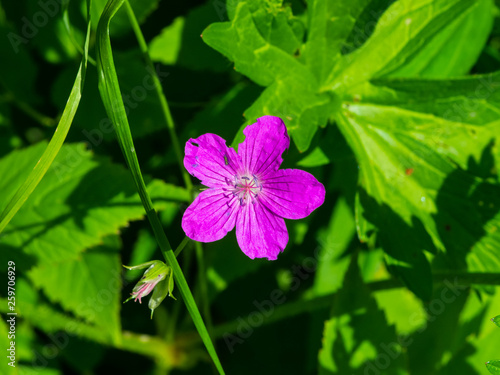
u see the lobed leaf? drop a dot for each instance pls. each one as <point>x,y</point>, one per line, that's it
<point>421,169</point>
<point>89,286</point>
<point>81,200</point>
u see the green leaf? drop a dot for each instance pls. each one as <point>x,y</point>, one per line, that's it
<point>88,286</point>
<point>315,158</point>
<point>180,42</point>
<point>300,85</point>
<point>475,339</point>
<point>496,320</point>
<point>493,367</point>
<point>330,25</point>
<point>52,40</point>
<point>62,327</point>
<point>334,241</point>
<point>55,144</point>
<point>109,89</point>
<point>419,170</point>
<point>91,123</point>
<point>401,32</point>
<point>270,65</point>
<point>142,251</point>
<point>6,343</point>
<point>398,314</point>
<point>455,49</point>
<point>121,24</point>
<point>357,337</point>
<point>80,201</point>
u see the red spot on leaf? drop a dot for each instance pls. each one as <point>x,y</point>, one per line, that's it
<point>409,171</point>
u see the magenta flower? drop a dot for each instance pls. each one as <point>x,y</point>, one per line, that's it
<point>247,190</point>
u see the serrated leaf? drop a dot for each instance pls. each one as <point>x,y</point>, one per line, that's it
<point>270,65</point>
<point>302,93</point>
<point>421,169</point>
<point>496,320</point>
<point>330,25</point>
<point>80,201</point>
<point>402,31</point>
<point>493,367</point>
<point>89,286</point>
<point>455,48</point>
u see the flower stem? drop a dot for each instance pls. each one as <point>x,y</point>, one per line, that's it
<point>181,246</point>
<point>42,119</point>
<point>161,96</point>
<point>301,306</point>
<point>111,97</point>
<point>202,282</point>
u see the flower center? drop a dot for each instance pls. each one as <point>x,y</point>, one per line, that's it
<point>246,188</point>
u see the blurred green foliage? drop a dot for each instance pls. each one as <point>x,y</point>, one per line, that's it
<point>393,105</point>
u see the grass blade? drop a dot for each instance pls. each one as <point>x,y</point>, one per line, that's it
<point>55,143</point>
<point>111,97</point>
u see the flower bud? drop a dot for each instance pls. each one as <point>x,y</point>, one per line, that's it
<point>158,278</point>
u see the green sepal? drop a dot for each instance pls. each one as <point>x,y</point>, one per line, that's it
<point>164,288</point>
<point>156,275</point>
<point>140,266</point>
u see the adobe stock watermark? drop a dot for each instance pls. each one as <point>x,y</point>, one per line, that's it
<point>31,27</point>
<point>391,351</point>
<point>264,309</point>
<point>95,137</point>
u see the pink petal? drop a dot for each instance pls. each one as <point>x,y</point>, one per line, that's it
<point>292,193</point>
<point>264,143</point>
<point>210,160</point>
<point>211,215</point>
<point>259,232</point>
<point>143,291</point>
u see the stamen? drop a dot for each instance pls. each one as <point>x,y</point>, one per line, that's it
<point>245,188</point>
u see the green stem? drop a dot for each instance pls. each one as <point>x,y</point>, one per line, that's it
<point>67,25</point>
<point>182,245</point>
<point>111,97</point>
<point>161,96</point>
<point>174,317</point>
<point>291,309</point>
<point>28,110</point>
<point>34,114</point>
<point>177,149</point>
<point>56,142</point>
<point>203,282</point>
